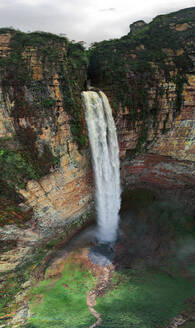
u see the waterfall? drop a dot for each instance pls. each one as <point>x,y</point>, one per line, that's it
<point>105,155</point>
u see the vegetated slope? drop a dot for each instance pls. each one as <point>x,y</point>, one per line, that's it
<point>41,78</point>
<point>145,73</point>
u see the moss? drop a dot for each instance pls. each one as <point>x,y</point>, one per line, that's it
<point>48,102</point>
<point>76,130</point>
<point>15,168</point>
<point>18,85</point>
<point>141,143</point>
<point>143,298</point>
<point>77,54</point>
<point>168,217</point>
<point>14,280</point>
<point>56,55</point>
<point>63,303</point>
<point>10,213</point>
<point>129,67</point>
<point>9,288</point>
<point>24,164</point>
<point>179,81</point>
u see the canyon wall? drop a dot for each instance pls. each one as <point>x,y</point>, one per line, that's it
<point>46,178</point>
<point>149,76</point>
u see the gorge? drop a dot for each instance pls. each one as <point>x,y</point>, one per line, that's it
<point>47,185</point>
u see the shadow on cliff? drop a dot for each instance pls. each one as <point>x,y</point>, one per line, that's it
<point>155,232</point>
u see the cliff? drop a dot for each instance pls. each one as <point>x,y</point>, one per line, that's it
<point>149,76</point>
<point>46,182</point>
<point>45,177</point>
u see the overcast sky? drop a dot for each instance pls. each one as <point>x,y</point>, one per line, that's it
<point>86,20</point>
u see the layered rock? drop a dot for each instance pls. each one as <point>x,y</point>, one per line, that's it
<point>46,178</point>
<point>167,177</point>
<point>42,130</point>
<point>179,141</point>
<point>149,78</point>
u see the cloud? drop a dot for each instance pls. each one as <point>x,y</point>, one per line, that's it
<point>108,9</point>
<point>86,20</point>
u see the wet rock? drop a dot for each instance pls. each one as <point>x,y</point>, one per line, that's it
<point>20,317</point>
<point>102,254</point>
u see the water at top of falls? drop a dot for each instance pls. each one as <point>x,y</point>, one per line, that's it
<point>106,166</point>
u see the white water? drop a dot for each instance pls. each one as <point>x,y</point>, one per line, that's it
<point>105,154</point>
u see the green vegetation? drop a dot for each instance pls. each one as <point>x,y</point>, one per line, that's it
<point>55,55</point>
<point>76,130</point>
<point>77,54</point>
<point>168,219</point>
<point>48,102</point>
<point>33,38</point>
<point>62,303</point>
<point>19,166</point>
<point>143,298</point>
<point>15,169</point>
<point>14,280</point>
<point>189,324</point>
<point>179,81</point>
<point>172,218</point>
<point>10,213</point>
<point>129,67</point>
<point>72,78</point>
<point>9,289</point>
<point>140,143</point>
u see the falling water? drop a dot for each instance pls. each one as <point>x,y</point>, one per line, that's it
<point>105,154</point>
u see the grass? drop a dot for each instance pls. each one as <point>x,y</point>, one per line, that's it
<point>62,303</point>
<point>139,298</point>
<point>143,299</point>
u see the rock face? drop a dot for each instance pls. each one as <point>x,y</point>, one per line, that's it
<point>149,77</point>
<point>179,141</point>
<point>170,133</point>
<point>137,26</point>
<point>44,162</point>
<point>168,177</point>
